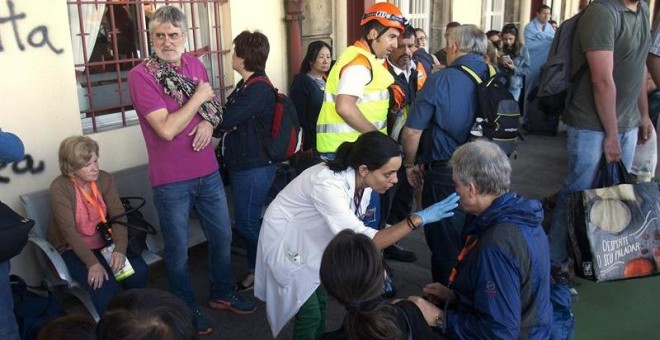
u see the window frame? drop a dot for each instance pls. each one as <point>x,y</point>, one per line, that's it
<point>104,100</point>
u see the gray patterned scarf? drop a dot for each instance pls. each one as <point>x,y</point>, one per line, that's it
<point>177,86</point>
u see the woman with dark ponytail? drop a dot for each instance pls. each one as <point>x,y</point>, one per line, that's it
<point>304,217</point>
<point>352,272</point>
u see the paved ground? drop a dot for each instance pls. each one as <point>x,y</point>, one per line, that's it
<point>605,311</point>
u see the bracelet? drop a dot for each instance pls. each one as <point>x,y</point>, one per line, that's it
<point>411,224</point>
<point>409,165</point>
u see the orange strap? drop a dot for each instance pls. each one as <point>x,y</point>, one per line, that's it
<point>470,242</point>
<point>92,200</point>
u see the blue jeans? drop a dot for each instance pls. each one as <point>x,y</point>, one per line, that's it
<point>8,326</point>
<point>515,93</point>
<point>249,189</point>
<point>102,296</point>
<point>206,195</point>
<point>585,150</point>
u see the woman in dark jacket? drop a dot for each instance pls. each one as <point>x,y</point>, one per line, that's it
<point>248,118</point>
<point>307,89</point>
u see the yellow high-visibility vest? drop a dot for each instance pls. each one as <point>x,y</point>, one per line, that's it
<point>331,129</point>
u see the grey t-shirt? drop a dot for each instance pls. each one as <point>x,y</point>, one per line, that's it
<point>597,31</point>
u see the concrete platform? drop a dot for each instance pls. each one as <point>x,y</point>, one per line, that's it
<point>605,311</point>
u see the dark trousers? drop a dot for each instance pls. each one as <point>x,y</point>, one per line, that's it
<point>402,196</point>
<point>444,238</point>
<point>101,297</point>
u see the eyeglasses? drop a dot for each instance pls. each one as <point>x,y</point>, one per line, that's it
<point>388,16</point>
<point>173,37</point>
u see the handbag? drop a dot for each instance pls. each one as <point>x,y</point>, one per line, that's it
<point>138,227</point>
<point>614,230</point>
<point>14,230</point>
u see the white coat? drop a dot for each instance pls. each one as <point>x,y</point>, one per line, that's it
<point>296,228</point>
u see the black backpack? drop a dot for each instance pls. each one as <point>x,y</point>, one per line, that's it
<point>32,311</point>
<point>14,230</point>
<point>499,114</point>
<point>557,77</point>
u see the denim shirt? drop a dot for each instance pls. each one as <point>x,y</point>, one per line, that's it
<point>521,62</point>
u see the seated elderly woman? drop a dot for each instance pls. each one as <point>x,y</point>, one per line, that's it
<point>501,285</point>
<point>80,199</point>
<point>352,271</point>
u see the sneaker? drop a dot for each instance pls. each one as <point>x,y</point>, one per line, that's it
<point>397,253</point>
<point>233,303</point>
<point>203,327</point>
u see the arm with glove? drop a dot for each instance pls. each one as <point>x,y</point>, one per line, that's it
<point>436,212</point>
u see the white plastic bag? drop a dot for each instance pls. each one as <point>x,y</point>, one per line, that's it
<point>646,159</point>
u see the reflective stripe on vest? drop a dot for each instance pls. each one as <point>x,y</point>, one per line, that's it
<point>331,129</point>
<point>366,97</point>
<point>343,127</point>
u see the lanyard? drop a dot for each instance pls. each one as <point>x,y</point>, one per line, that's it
<point>357,200</point>
<point>470,242</point>
<point>93,201</point>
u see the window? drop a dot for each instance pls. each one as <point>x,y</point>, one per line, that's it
<point>494,15</point>
<point>109,37</point>
<point>416,11</point>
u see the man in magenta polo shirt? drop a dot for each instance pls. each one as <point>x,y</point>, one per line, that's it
<point>177,114</point>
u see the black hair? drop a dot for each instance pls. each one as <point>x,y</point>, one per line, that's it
<point>419,30</point>
<point>253,47</point>
<point>353,272</point>
<point>541,8</point>
<point>513,30</point>
<point>373,25</point>
<point>408,31</point>
<point>147,314</point>
<point>313,51</point>
<point>492,33</point>
<point>73,326</point>
<point>372,149</point>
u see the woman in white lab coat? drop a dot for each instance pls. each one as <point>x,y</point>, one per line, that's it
<point>322,201</point>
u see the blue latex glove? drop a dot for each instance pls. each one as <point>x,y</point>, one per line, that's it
<point>440,210</point>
